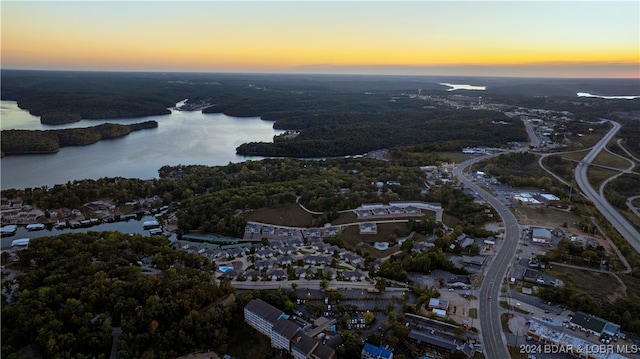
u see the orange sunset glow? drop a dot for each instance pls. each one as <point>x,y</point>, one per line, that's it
<point>501,38</point>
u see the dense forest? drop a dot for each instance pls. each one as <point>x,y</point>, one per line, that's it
<point>331,134</point>
<point>79,289</point>
<point>521,170</point>
<point>50,141</point>
<point>337,115</point>
<point>211,197</point>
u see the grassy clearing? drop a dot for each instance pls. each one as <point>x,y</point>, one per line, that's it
<point>576,156</point>
<point>450,221</point>
<point>387,232</point>
<point>347,217</point>
<point>599,285</point>
<point>632,283</point>
<point>588,140</point>
<point>548,217</point>
<point>285,215</point>
<point>607,159</point>
<point>598,175</point>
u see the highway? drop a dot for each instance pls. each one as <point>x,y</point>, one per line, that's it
<point>493,339</point>
<point>616,219</point>
<point>535,142</point>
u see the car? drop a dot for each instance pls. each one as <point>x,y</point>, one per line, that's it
<point>451,289</point>
<point>433,331</point>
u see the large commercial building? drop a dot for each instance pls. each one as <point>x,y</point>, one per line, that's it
<point>293,336</point>
<point>595,325</point>
<point>372,352</point>
<point>262,316</point>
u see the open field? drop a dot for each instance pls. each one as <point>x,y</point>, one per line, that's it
<point>546,217</point>
<point>599,285</point>
<point>450,221</point>
<point>607,159</point>
<point>387,232</point>
<point>598,175</point>
<point>588,140</point>
<point>632,283</point>
<point>284,215</point>
<point>576,156</point>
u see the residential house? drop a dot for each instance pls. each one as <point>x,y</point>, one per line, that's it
<point>312,233</point>
<point>368,228</point>
<point>317,244</point>
<point>331,249</point>
<point>296,242</point>
<point>268,231</point>
<point>352,258</point>
<point>329,273</point>
<point>264,253</point>
<point>307,273</point>
<point>252,275</point>
<point>422,246</point>
<point>277,274</point>
<point>285,260</point>
<point>317,260</point>
<point>331,231</point>
<point>353,276</point>
<point>266,264</point>
<point>286,232</point>
<point>252,228</point>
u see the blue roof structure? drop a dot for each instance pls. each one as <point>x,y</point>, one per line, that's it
<point>377,352</point>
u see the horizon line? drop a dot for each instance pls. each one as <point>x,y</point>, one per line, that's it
<point>293,73</point>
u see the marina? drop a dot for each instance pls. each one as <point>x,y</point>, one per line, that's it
<point>124,224</point>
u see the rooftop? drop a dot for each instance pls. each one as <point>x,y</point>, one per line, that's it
<point>264,310</point>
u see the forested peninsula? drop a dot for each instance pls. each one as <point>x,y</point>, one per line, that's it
<point>50,141</point>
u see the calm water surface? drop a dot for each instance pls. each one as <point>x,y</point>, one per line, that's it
<point>131,226</point>
<point>453,87</point>
<point>180,138</point>
<point>586,94</point>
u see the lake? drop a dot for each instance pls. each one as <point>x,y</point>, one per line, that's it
<point>183,137</point>
<point>454,87</point>
<point>586,94</point>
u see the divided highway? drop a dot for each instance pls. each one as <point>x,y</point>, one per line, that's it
<point>489,312</point>
<point>616,219</point>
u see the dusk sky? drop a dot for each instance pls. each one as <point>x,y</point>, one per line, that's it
<point>505,38</point>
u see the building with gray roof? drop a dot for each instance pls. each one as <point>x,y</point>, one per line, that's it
<point>283,332</point>
<point>262,316</point>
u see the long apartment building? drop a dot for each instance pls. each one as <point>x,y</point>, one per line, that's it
<point>287,335</point>
<point>262,316</point>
